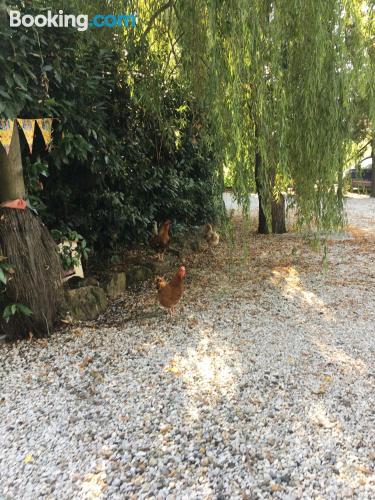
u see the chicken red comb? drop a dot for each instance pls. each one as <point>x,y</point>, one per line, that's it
<point>182,271</point>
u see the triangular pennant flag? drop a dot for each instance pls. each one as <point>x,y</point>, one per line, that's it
<point>28,127</point>
<point>6,132</point>
<point>45,125</point>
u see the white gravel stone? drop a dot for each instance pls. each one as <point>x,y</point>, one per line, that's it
<point>265,389</point>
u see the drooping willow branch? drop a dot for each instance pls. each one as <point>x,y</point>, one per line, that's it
<point>154,16</point>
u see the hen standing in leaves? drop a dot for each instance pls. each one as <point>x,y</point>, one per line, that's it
<point>161,239</point>
<point>212,237</point>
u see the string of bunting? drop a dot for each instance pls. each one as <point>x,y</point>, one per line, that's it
<point>28,127</point>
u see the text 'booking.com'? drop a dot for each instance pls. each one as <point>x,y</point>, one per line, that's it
<point>61,20</point>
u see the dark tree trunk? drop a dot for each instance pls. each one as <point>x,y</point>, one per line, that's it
<point>373,167</point>
<point>340,184</point>
<point>36,282</point>
<point>278,215</point>
<point>262,224</point>
<point>277,207</point>
<point>262,221</point>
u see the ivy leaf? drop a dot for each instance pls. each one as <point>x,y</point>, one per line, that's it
<point>8,313</point>
<point>2,277</point>
<point>19,81</point>
<point>58,77</point>
<point>6,266</point>
<point>4,94</point>
<point>24,310</point>
<point>11,310</point>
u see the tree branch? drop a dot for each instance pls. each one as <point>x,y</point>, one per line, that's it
<point>156,14</point>
<point>360,151</point>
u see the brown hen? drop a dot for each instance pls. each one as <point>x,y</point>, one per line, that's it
<point>160,240</point>
<point>169,294</point>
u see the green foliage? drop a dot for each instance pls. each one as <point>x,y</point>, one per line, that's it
<point>73,247</point>
<point>6,271</point>
<point>126,148</point>
<point>146,119</point>
<point>282,80</point>
<point>13,309</point>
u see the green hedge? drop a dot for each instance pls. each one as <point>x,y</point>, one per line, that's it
<point>127,147</point>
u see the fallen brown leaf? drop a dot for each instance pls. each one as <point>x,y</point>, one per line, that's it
<point>85,362</point>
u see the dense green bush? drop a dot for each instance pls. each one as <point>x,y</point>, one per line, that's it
<point>118,160</point>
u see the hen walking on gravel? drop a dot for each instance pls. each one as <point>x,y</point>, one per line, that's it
<point>169,294</point>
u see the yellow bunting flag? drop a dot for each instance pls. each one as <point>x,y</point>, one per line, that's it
<point>6,132</point>
<point>28,127</point>
<point>45,125</point>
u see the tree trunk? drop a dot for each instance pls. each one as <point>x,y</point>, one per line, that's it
<point>277,206</point>
<point>36,282</point>
<point>28,246</point>
<point>12,185</point>
<point>373,167</point>
<point>278,215</point>
<point>340,183</point>
<point>262,224</point>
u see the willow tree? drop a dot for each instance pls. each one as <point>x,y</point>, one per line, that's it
<point>369,83</point>
<point>277,79</point>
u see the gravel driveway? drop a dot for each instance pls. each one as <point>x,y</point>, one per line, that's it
<point>261,386</point>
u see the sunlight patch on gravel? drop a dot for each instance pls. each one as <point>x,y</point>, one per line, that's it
<point>289,280</point>
<point>340,357</point>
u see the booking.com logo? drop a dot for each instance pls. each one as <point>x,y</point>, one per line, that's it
<point>61,20</point>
